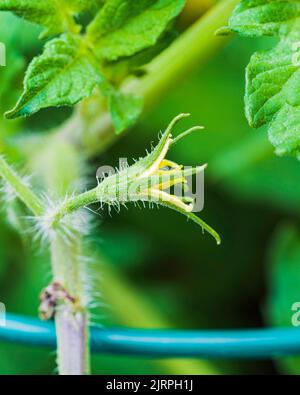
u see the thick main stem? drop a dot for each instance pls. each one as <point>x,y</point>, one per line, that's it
<point>68,266</point>
<point>71,342</point>
<point>71,319</point>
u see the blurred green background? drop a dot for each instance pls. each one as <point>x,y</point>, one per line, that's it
<point>152,268</point>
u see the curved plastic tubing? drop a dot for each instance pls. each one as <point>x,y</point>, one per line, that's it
<point>248,343</point>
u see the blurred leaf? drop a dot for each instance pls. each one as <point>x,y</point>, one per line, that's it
<point>124,108</point>
<point>47,160</point>
<point>283,282</point>
<point>16,217</point>
<point>9,75</point>
<point>249,171</point>
<point>117,71</point>
<point>5,253</point>
<point>131,308</point>
<point>14,362</point>
<point>114,241</point>
<point>26,276</point>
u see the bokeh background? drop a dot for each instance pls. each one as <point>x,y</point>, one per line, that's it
<point>152,268</point>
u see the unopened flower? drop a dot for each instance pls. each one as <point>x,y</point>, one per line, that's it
<point>152,179</point>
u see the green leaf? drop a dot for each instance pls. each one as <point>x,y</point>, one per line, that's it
<point>55,15</point>
<point>63,75</point>
<point>284,279</point>
<point>124,109</point>
<point>284,131</point>
<point>265,17</point>
<point>273,77</point>
<point>123,28</point>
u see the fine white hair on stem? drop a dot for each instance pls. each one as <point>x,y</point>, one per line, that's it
<point>46,230</point>
<point>8,191</point>
<point>91,277</point>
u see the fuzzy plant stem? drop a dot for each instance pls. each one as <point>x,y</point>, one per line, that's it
<point>71,318</point>
<point>69,267</point>
<point>72,342</point>
<point>71,333</point>
<point>75,203</point>
<point>71,321</point>
<point>19,188</point>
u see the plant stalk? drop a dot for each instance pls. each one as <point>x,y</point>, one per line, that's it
<point>72,337</point>
<point>19,187</point>
<point>71,319</point>
<point>68,266</point>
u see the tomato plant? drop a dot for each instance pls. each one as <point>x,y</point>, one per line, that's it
<point>92,72</point>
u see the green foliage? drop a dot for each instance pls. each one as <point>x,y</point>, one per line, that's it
<point>185,278</point>
<point>124,108</point>
<point>265,17</point>
<point>115,29</point>
<point>55,15</point>
<point>273,77</point>
<point>63,75</point>
<point>284,274</point>
<point>18,187</point>
<point>10,29</point>
<point>74,64</point>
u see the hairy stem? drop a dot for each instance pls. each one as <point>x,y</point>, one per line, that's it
<point>94,133</point>
<point>68,267</point>
<point>71,320</point>
<point>19,187</point>
<point>71,331</point>
<point>75,203</point>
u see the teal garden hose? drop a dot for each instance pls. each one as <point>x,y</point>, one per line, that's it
<point>247,343</point>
